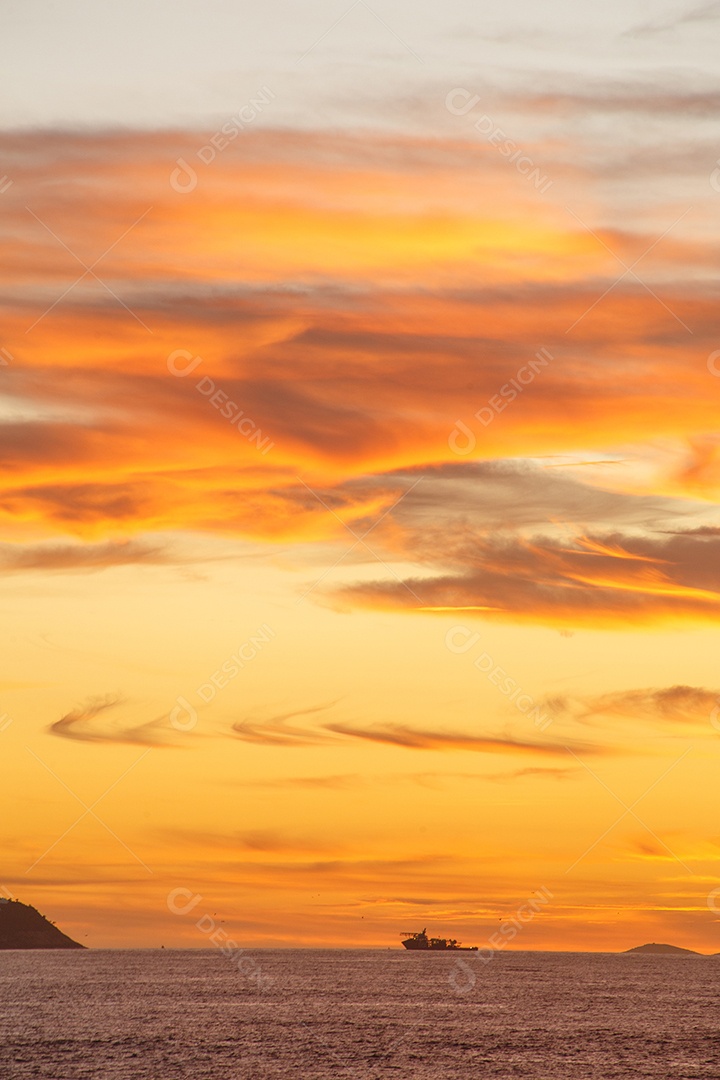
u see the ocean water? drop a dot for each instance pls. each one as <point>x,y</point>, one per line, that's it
<point>312,1014</point>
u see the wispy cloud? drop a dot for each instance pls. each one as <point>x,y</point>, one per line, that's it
<point>86,557</point>
<point>419,739</point>
<point>96,721</point>
<point>278,732</point>
<point>672,705</point>
<point>704,13</point>
<point>337,782</point>
<point>434,779</point>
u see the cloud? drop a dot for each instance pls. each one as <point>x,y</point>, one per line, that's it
<point>549,774</point>
<point>278,732</point>
<point>696,15</point>
<point>272,840</point>
<point>84,557</point>
<point>95,721</point>
<point>507,495</point>
<point>435,780</point>
<point>630,96</point>
<point>674,705</point>
<point>352,781</point>
<point>79,725</point>
<point>542,772</point>
<point>418,739</point>
<point>532,547</point>
<point>388,291</point>
<point>444,779</point>
<point>338,782</point>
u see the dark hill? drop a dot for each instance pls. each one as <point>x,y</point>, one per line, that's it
<point>664,950</point>
<point>22,927</point>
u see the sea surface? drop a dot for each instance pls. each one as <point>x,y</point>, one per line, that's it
<point>312,1014</point>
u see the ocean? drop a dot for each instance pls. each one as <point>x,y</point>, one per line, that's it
<point>312,1014</point>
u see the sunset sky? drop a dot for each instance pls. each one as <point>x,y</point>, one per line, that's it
<point>359,396</point>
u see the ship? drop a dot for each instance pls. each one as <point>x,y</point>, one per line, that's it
<point>434,944</point>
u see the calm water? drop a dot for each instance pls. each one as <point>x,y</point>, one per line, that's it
<point>174,1015</point>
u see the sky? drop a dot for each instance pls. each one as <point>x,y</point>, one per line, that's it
<point>360,555</point>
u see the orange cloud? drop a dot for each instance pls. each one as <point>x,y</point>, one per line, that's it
<point>543,581</point>
<point>344,304</point>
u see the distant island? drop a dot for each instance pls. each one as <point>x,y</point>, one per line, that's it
<point>23,927</point>
<point>663,950</point>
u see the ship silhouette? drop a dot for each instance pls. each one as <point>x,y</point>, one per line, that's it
<point>423,943</point>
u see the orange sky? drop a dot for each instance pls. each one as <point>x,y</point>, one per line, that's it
<point>359,541</point>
